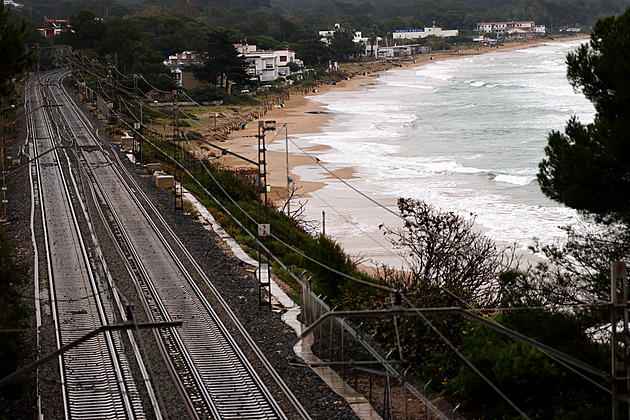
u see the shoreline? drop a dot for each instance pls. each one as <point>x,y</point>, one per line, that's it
<point>305,115</point>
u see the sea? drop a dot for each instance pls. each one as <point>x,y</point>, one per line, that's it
<point>465,135</point>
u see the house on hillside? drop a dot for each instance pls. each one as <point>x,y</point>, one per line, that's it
<point>267,65</point>
<point>357,38</point>
<point>263,65</point>
<point>57,27</point>
<point>12,3</point>
<point>177,64</point>
<point>326,36</point>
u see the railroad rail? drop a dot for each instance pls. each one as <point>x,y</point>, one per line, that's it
<point>212,374</point>
<point>96,379</point>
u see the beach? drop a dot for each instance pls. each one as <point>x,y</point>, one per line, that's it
<point>304,115</point>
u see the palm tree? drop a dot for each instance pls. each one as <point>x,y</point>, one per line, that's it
<point>373,38</point>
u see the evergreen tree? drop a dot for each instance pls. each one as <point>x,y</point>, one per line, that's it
<point>342,42</point>
<point>15,59</point>
<point>586,167</point>
<point>222,63</point>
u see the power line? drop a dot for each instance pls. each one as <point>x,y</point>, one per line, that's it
<point>323,265</point>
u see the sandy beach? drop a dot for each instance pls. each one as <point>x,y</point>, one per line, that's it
<point>303,115</point>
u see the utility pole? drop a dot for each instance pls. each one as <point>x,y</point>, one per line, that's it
<point>620,337</point>
<point>289,179</point>
<point>177,138</point>
<point>264,269</point>
<point>3,152</point>
<point>138,139</point>
<point>111,95</point>
<point>116,97</point>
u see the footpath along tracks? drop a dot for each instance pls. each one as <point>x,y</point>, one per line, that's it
<point>212,374</point>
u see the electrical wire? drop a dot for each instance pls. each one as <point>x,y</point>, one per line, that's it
<point>343,274</point>
<point>350,186</point>
<point>289,246</point>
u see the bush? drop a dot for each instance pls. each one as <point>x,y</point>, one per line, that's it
<point>238,99</point>
<point>206,92</point>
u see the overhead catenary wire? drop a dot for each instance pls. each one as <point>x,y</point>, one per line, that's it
<point>465,360</point>
<point>278,132</point>
<point>318,162</point>
<point>273,256</point>
<point>353,188</point>
<point>428,232</point>
<point>227,211</point>
<point>289,246</point>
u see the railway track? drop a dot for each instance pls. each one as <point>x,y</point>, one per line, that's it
<point>96,380</point>
<point>212,374</point>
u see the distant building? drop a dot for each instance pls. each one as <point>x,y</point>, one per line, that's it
<point>267,65</point>
<point>358,38</point>
<point>423,33</point>
<point>397,51</point>
<point>326,36</point>
<point>12,3</point>
<point>262,65</point>
<point>177,63</point>
<point>485,41</point>
<point>518,29</point>
<point>56,28</point>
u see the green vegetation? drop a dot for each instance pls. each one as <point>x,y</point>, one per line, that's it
<point>586,168</point>
<point>16,60</point>
<point>283,19</point>
<point>12,317</point>
<point>222,64</point>
<point>242,188</point>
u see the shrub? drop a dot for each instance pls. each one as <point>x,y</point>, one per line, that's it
<point>206,92</point>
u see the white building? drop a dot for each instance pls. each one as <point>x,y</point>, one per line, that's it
<point>521,28</point>
<point>267,65</point>
<point>396,51</point>
<point>423,33</point>
<point>176,64</point>
<point>182,59</point>
<point>12,3</point>
<point>327,35</point>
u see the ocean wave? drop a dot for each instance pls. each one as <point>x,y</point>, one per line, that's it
<point>514,179</point>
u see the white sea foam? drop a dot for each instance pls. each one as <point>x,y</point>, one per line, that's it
<point>514,179</point>
<point>467,138</point>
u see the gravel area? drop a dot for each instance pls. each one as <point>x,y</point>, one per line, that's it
<point>237,285</point>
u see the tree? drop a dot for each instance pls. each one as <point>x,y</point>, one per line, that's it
<point>537,385</point>
<point>586,167</point>
<point>84,32</point>
<point>13,315</point>
<point>442,250</point>
<point>222,63</point>
<point>15,59</point>
<point>313,51</point>
<point>373,38</point>
<point>342,42</point>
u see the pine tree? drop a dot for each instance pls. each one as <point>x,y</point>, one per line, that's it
<point>587,166</point>
<point>15,58</point>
